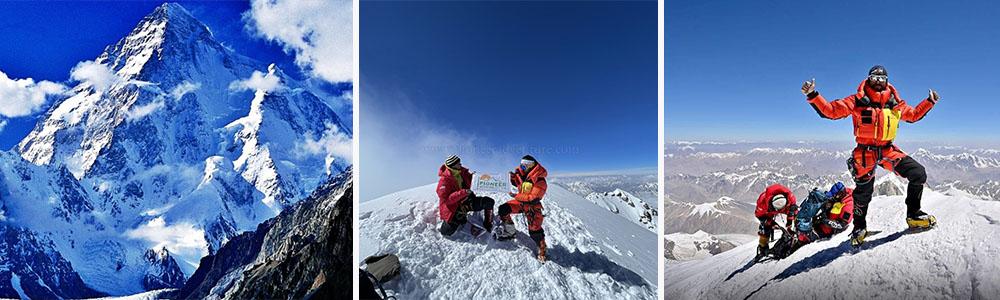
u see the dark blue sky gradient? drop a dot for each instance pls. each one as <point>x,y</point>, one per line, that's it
<point>566,74</point>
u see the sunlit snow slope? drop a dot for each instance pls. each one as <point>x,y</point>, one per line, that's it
<point>593,254</point>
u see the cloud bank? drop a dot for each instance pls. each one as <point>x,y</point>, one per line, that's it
<point>319,33</point>
<point>400,147</point>
<point>22,97</point>
<point>333,145</point>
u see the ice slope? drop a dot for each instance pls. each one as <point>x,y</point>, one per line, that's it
<point>593,253</point>
<point>956,260</point>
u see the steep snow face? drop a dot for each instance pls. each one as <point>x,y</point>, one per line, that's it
<point>627,205</point>
<point>956,260</point>
<point>593,254</point>
<point>281,143</point>
<point>52,203</point>
<point>30,267</point>
<point>160,147</point>
<point>168,77</point>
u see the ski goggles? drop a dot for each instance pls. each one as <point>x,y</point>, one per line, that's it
<point>878,78</point>
<point>525,164</point>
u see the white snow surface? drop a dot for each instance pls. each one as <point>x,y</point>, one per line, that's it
<point>592,253</point>
<point>150,295</point>
<point>955,260</point>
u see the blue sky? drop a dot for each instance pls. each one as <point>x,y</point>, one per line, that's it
<point>44,40</point>
<point>577,77</point>
<point>733,70</point>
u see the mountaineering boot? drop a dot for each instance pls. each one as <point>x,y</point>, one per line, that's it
<point>505,231</point>
<point>858,236</point>
<point>921,220</point>
<point>761,248</point>
<point>761,252</point>
<point>541,251</point>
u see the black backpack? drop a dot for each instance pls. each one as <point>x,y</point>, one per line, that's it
<point>381,268</point>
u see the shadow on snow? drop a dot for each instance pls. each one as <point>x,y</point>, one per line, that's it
<point>593,263</point>
<point>825,257</point>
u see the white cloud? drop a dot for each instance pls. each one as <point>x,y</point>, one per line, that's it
<point>2,125</point>
<point>183,88</point>
<point>333,144</point>
<point>104,186</point>
<point>401,147</point>
<point>137,112</point>
<point>320,33</point>
<point>99,76</point>
<point>181,238</point>
<point>21,97</point>
<point>257,81</point>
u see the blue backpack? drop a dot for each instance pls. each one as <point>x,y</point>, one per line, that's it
<point>809,209</point>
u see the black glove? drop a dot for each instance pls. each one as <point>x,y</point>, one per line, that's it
<point>932,96</point>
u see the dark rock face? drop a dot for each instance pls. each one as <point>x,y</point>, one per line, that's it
<point>303,252</point>
<point>41,272</point>
<point>237,253</point>
<point>165,273</point>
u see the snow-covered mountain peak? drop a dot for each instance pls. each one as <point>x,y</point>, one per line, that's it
<point>143,151</point>
<point>168,34</point>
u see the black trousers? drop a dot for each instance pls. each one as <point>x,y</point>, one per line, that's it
<point>475,203</point>
<point>907,167</point>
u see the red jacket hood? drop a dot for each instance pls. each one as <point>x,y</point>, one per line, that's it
<point>538,172</point>
<point>864,89</point>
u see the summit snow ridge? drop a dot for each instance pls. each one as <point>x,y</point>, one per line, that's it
<point>956,260</point>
